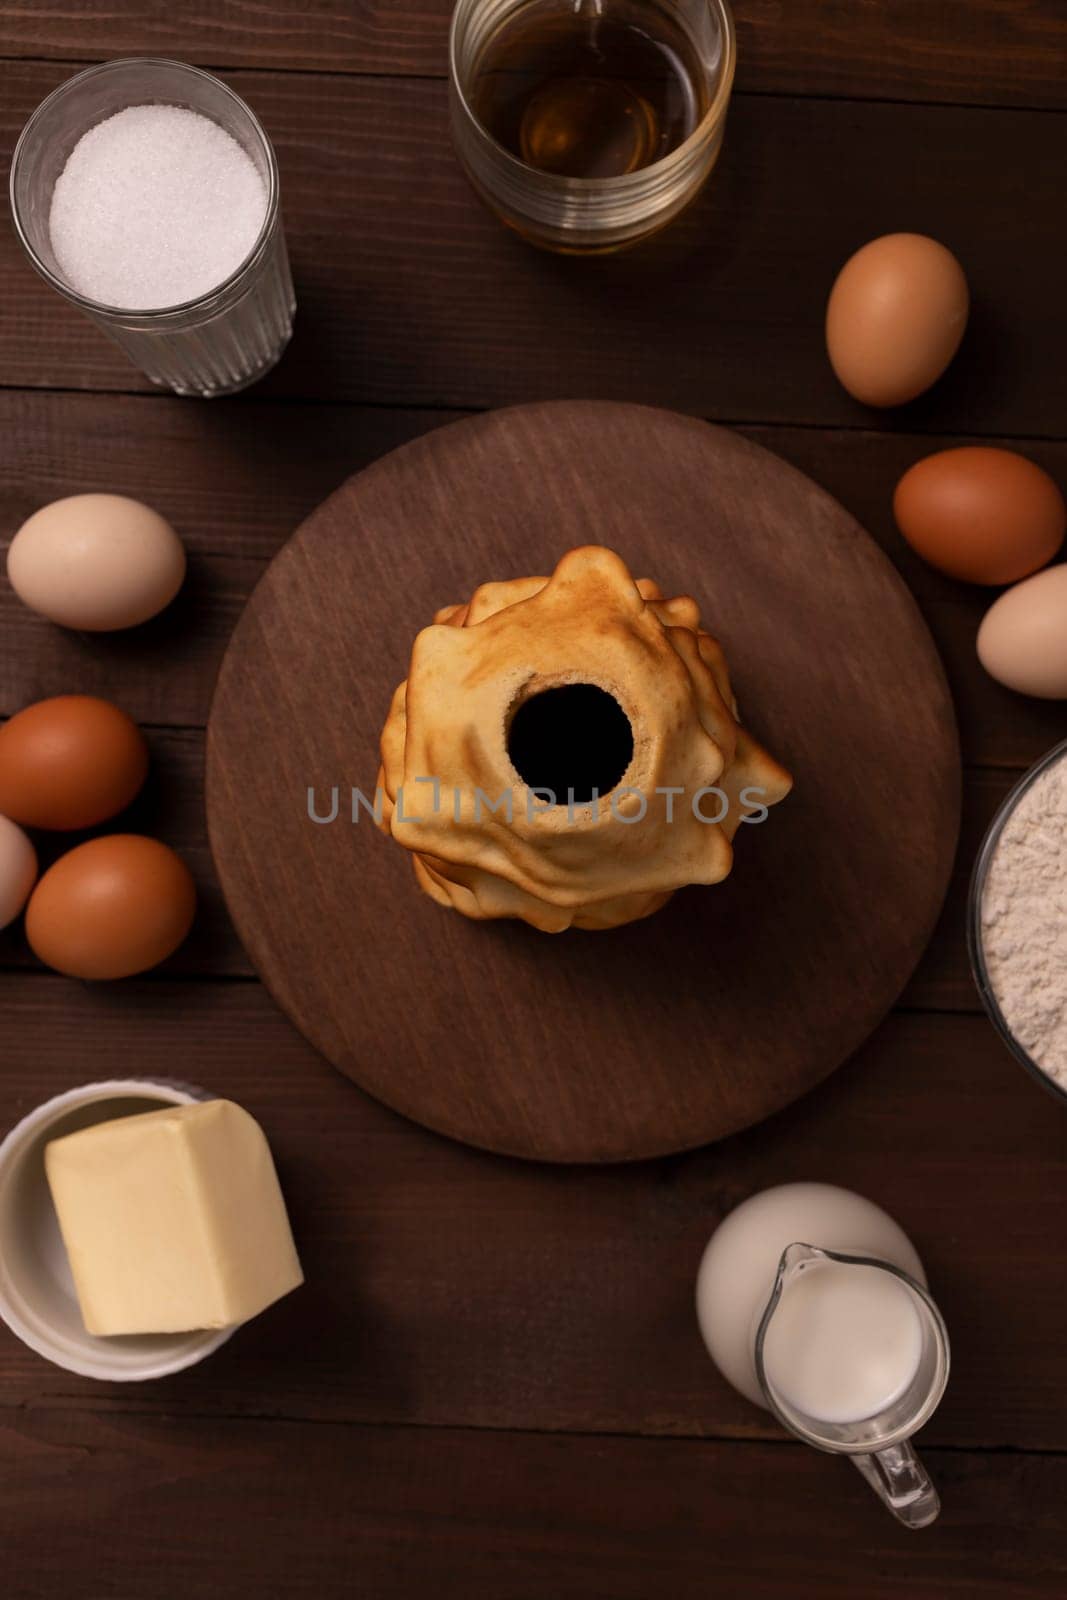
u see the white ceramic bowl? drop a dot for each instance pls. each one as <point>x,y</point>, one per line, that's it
<point>37,1299</point>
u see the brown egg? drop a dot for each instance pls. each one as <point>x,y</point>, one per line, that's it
<point>111,908</point>
<point>70,763</point>
<point>895,319</point>
<point>983,515</point>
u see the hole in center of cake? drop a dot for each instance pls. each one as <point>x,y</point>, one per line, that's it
<point>575,741</point>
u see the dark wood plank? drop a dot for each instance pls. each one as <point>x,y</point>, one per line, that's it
<point>162,673</point>
<point>234,478</point>
<point>665,1033</point>
<point>449,1287</point>
<point>237,477</point>
<point>172,808</point>
<point>997,727</point>
<point>997,52</point>
<point>374,36</point>
<point>446,1287</point>
<point>239,1510</point>
<point>411,292</point>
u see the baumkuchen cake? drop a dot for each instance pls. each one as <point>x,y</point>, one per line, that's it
<point>567,750</point>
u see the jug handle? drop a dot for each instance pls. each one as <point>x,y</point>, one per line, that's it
<point>900,1480</point>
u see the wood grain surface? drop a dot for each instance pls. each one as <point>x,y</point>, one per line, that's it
<point>172,807</point>
<point>996,52</point>
<point>393,1513</point>
<point>238,476</point>
<point>677,1029</point>
<point>450,1287</point>
<point>492,1384</point>
<point>408,286</point>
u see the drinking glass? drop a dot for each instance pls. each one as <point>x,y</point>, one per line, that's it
<point>223,340</point>
<point>589,216</point>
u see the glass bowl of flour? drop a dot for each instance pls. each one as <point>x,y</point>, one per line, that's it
<point>1017,921</point>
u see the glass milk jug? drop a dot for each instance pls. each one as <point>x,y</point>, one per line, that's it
<point>813,1304</point>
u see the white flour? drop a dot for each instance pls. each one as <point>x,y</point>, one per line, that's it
<point>1024,921</point>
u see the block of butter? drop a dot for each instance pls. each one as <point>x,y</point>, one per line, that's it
<point>173,1220</point>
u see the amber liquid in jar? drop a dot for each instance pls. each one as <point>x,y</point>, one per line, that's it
<point>589,88</point>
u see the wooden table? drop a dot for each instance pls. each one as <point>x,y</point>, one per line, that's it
<point>492,1384</point>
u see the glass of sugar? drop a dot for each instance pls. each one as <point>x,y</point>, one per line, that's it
<point>146,193</point>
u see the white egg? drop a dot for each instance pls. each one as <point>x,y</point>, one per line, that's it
<point>18,870</point>
<point>1023,638</point>
<point>96,562</point>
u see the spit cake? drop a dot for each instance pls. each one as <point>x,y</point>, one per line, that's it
<point>568,751</point>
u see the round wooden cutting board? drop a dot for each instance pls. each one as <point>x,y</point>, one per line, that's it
<point>673,1031</point>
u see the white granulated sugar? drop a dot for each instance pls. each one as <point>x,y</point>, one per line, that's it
<point>157,205</point>
<point>1024,921</point>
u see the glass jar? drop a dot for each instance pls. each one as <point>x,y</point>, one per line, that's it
<point>226,338</point>
<point>592,215</point>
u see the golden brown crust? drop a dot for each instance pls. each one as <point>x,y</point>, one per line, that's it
<point>444,750</point>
